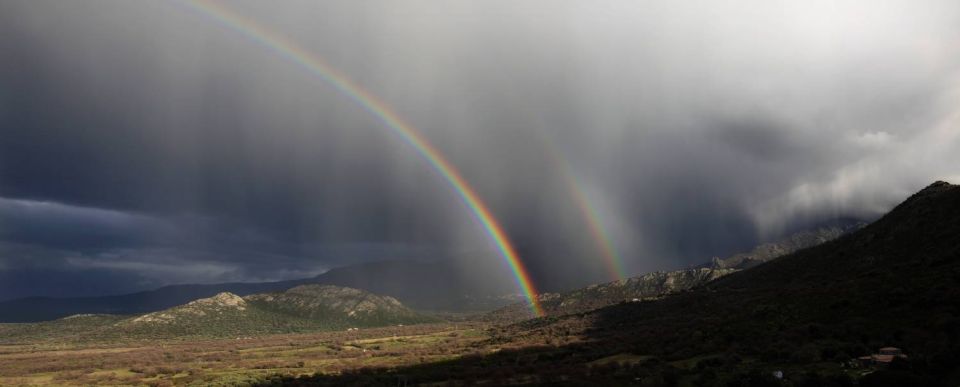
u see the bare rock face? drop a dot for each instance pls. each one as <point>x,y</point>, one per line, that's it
<point>221,300</point>
<point>216,305</point>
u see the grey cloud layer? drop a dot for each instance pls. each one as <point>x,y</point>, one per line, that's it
<point>697,128</point>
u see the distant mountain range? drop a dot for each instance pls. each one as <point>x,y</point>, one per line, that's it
<point>435,286</point>
<point>657,284</point>
<point>34,309</point>
<point>300,309</point>
<point>414,283</point>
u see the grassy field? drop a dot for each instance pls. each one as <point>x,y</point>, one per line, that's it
<point>235,361</point>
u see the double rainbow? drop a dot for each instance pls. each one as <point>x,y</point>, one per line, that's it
<point>410,134</point>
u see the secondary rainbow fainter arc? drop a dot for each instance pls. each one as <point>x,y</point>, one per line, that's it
<point>614,261</point>
<point>316,66</point>
<point>611,256</point>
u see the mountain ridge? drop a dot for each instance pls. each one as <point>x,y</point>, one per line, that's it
<point>660,283</point>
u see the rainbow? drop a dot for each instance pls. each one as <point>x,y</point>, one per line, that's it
<point>611,256</point>
<point>410,134</point>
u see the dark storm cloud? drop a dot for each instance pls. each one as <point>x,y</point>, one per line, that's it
<point>94,245</point>
<point>766,141</point>
<point>142,138</point>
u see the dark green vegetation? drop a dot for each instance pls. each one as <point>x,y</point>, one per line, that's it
<point>894,282</point>
<point>346,306</point>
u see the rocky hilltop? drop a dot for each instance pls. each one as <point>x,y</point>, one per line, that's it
<point>301,309</point>
<point>334,302</point>
<point>218,306</point>
<point>788,245</point>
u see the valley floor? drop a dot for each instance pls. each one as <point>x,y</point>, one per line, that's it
<point>235,361</point>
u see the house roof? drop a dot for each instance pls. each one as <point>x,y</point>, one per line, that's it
<point>883,358</point>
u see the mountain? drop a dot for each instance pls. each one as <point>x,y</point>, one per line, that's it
<point>790,244</point>
<point>891,283</point>
<point>300,309</point>
<point>454,285</point>
<point>442,286</point>
<point>439,286</point>
<point>658,284</point>
<point>333,303</point>
<point>644,287</point>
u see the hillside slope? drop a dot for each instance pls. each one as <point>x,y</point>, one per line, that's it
<point>892,283</point>
<point>350,306</point>
<point>773,250</point>
<point>659,284</point>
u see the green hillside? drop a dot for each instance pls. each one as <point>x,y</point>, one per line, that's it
<point>304,308</point>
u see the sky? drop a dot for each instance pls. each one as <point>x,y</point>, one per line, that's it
<point>144,144</point>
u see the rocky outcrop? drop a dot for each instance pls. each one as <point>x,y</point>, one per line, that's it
<point>218,304</point>
<point>770,251</point>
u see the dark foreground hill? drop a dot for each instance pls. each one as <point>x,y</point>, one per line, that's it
<point>658,284</point>
<point>804,317</point>
<point>305,308</point>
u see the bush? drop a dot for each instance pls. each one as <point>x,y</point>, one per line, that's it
<point>808,353</point>
<point>894,378</point>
